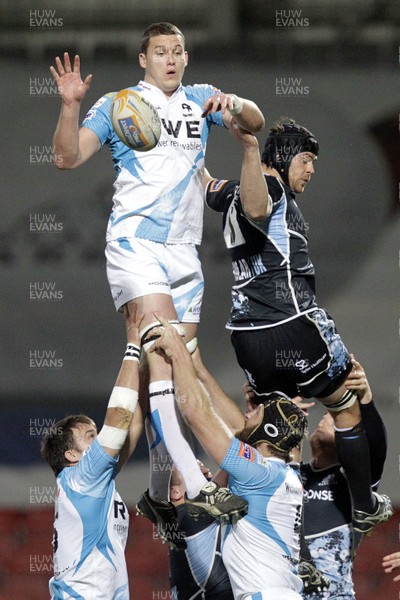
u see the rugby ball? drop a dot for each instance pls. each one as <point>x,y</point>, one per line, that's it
<point>135,121</point>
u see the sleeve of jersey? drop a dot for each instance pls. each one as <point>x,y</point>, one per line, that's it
<point>220,193</point>
<point>275,191</point>
<point>243,463</point>
<point>377,440</point>
<point>216,117</point>
<point>98,119</point>
<point>93,473</point>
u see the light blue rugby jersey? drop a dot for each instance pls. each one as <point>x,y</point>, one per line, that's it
<point>261,552</point>
<point>158,194</point>
<point>90,531</point>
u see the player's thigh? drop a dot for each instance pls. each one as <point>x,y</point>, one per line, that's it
<point>190,330</point>
<point>135,268</point>
<point>347,417</point>
<point>161,304</point>
<point>152,304</point>
<point>166,277</point>
<point>266,359</point>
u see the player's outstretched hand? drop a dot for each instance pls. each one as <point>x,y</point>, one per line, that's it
<point>68,79</point>
<point>357,381</point>
<point>218,102</point>
<point>301,403</point>
<point>391,562</point>
<point>132,323</point>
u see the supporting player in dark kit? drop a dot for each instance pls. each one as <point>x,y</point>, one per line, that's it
<point>329,536</point>
<point>198,573</point>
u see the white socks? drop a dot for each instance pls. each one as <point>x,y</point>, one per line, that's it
<point>167,423</point>
<point>160,464</point>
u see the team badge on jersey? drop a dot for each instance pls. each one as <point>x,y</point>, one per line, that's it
<point>217,184</point>
<point>246,451</point>
<point>92,111</point>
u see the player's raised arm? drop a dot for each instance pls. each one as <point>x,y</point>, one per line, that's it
<point>72,146</point>
<point>246,112</point>
<point>227,410</point>
<point>124,397</point>
<point>191,397</point>
<point>254,197</point>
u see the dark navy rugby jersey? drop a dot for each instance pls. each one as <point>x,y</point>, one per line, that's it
<point>328,533</point>
<point>327,499</point>
<point>274,277</point>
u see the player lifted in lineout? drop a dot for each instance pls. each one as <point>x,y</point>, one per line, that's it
<point>266,235</point>
<point>156,220</point>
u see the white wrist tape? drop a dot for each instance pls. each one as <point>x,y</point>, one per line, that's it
<point>123,397</point>
<point>132,352</point>
<point>237,105</point>
<point>112,437</point>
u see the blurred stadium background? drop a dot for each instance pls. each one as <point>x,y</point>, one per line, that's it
<point>332,65</point>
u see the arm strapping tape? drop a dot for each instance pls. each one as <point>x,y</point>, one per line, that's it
<point>112,437</point>
<point>237,105</point>
<point>132,352</point>
<point>123,397</point>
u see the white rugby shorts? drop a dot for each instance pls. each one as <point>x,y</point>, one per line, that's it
<point>137,267</point>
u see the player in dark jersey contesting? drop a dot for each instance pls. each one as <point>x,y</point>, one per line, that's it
<point>283,340</point>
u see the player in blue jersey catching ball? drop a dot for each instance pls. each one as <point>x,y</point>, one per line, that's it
<point>156,219</point>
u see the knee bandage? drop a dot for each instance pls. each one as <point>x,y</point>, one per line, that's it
<point>191,345</point>
<point>148,340</point>
<point>346,401</point>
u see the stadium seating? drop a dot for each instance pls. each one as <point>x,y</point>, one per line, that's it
<point>25,567</point>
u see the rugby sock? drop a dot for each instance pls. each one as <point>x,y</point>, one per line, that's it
<point>165,421</point>
<point>305,553</point>
<point>160,464</point>
<point>353,452</point>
